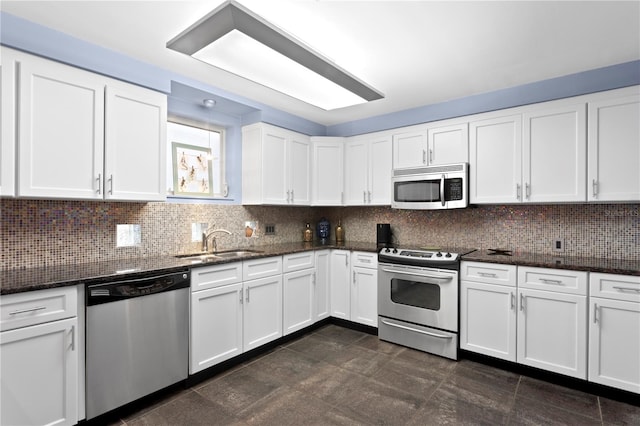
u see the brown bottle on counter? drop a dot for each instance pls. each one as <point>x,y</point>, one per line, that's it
<point>339,233</point>
<point>308,234</point>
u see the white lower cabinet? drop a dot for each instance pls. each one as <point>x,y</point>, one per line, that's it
<point>262,312</point>
<point>538,319</point>
<point>487,309</point>
<point>340,284</point>
<point>216,326</point>
<point>364,289</point>
<point>39,358</point>
<point>230,316</point>
<point>552,332</point>
<point>614,331</point>
<point>298,294</point>
<point>322,282</point>
<point>298,291</point>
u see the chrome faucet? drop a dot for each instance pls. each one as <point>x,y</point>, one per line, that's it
<point>209,234</point>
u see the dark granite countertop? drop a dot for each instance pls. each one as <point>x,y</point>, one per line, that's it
<point>589,264</point>
<point>37,278</point>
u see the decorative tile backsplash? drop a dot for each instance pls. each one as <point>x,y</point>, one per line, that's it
<point>48,232</point>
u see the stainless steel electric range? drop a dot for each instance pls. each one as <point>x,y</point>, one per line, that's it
<point>418,299</point>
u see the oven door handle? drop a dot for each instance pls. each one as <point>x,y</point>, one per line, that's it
<point>438,277</point>
<point>404,327</point>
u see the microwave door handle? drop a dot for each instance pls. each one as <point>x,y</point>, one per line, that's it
<point>442,190</point>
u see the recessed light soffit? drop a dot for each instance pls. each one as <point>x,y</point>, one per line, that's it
<point>230,16</point>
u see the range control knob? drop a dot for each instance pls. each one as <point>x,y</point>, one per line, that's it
<point>439,254</point>
<point>395,251</point>
<point>387,250</point>
<point>447,255</point>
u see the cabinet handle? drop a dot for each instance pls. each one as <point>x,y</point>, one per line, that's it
<point>369,193</point>
<point>292,195</point>
<point>548,281</point>
<point>521,302</point>
<point>248,288</point>
<point>513,301</point>
<point>73,337</point>
<point>365,260</point>
<point>424,156</point>
<point>594,184</point>
<point>354,277</point>
<point>487,274</point>
<point>241,295</point>
<point>364,197</point>
<point>24,311</point>
<point>341,197</point>
<point>518,191</point>
<point>111,185</point>
<point>288,195</point>
<point>99,191</point>
<point>637,290</point>
<point>346,260</point>
<point>527,190</point>
<point>430,156</point>
<point>595,313</point>
<point>313,279</point>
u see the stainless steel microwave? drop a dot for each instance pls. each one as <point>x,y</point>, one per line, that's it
<point>430,188</point>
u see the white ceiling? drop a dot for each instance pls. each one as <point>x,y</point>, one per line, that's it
<point>415,52</point>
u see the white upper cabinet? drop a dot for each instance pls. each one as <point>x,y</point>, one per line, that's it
<point>527,155</point>
<point>7,122</point>
<point>448,144</point>
<point>495,172</point>
<point>555,153</point>
<point>135,143</point>
<point>70,145</point>
<point>368,170</point>
<point>438,143</point>
<point>327,180</point>
<point>61,131</point>
<point>275,166</point>
<point>614,147</point>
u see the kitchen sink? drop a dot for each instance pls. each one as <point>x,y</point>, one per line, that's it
<point>211,257</point>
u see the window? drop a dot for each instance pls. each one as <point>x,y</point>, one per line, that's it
<point>195,160</point>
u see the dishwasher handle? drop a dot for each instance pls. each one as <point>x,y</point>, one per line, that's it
<point>136,287</point>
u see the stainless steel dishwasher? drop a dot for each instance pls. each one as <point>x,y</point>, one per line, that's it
<point>137,338</point>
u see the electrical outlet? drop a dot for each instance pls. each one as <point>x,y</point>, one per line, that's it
<point>269,230</point>
<point>558,245</point>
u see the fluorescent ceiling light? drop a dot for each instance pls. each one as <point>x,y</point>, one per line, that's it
<point>247,45</point>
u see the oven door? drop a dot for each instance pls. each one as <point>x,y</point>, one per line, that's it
<point>424,296</point>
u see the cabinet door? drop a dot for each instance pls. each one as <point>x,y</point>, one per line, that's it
<point>495,164</point>
<point>61,131</point>
<point>552,332</point>
<point>328,171</point>
<point>614,150</point>
<point>380,169</point>
<point>340,284</point>
<point>262,318</point>
<point>39,374</point>
<point>449,144</point>
<point>614,343</point>
<point>8,105</point>
<point>410,149</point>
<point>322,294</point>
<point>364,296</point>
<point>356,169</point>
<point>488,319</point>
<point>298,300</point>
<point>299,162</point>
<point>555,154</point>
<point>274,170</point>
<point>216,326</point>
<point>135,143</point>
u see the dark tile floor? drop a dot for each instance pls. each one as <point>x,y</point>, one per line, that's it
<point>339,376</point>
